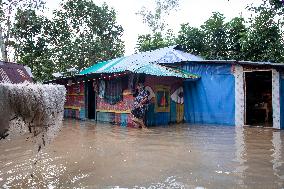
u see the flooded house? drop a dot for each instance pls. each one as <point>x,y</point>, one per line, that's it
<point>104,92</point>
<point>236,93</point>
<point>182,87</point>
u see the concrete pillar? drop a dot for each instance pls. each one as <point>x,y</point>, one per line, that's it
<point>276,99</point>
<point>239,96</point>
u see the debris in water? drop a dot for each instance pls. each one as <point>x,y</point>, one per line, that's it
<point>39,147</point>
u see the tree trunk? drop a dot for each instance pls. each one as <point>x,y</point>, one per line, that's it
<point>7,37</point>
<point>2,45</point>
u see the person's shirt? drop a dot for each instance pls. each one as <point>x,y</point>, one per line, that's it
<point>141,96</point>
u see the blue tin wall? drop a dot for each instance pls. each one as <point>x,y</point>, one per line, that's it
<point>211,99</point>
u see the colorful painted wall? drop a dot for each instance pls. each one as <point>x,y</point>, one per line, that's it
<point>167,100</point>
<point>166,104</point>
<point>75,101</point>
<point>118,113</point>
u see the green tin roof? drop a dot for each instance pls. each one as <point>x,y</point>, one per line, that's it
<point>100,65</point>
<point>145,62</point>
<point>150,69</point>
<point>158,70</point>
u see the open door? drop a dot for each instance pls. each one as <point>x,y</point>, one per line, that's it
<point>258,98</point>
<point>91,101</point>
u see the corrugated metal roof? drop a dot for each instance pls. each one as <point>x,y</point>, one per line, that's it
<point>158,70</point>
<point>146,62</point>
<point>102,66</point>
<point>13,73</point>
<point>272,64</point>
<point>146,68</point>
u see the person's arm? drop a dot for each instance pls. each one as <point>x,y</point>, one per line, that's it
<point>144,101</point>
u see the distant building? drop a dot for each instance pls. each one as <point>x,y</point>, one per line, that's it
<point>14,73</point>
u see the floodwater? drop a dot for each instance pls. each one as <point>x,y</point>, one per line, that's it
<point>89,155</point>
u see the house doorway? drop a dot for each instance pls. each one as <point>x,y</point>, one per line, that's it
<point>91,100</point>
<point>258,98</point>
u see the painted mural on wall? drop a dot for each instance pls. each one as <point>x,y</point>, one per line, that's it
<point>167,105</point>
<point>165,102</point>
<point>122,106</point>
<point>178,97</point>
<point>75,101</point>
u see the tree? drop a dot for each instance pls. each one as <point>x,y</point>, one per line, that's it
<point>155,20</point>
<point>215,37</point>
<point>155,41</point>
<point>236,34</point>
<point>191,39</point>
<point>277,5</point>
<point>79,35</point>
<point>8,9</point>
<point>84,33</point>
<point>265,39</point>
<point>32,43</point>
<point>265,35</point>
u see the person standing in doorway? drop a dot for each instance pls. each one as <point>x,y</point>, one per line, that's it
<point>140,105</point>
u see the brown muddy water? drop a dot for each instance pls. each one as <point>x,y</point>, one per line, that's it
<point>89,155</point>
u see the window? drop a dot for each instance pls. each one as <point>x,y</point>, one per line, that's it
<point>162,98</point>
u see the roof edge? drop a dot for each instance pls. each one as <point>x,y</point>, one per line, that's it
<point>258,63</point>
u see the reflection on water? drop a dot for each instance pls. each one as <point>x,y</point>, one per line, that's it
<point>89,155</point>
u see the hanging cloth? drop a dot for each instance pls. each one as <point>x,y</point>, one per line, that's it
<point>102,87</point>
<point>113,92</point>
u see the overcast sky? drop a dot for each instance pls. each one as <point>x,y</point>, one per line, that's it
<point>194,12</point>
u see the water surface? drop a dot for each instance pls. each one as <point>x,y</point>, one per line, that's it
<point>90,155</point>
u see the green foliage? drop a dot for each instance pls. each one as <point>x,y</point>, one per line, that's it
<point>215,37</point>
<point>191,39</point>
<point>8,9</point>
<point>85,33</point>
<point>264,40</point>
<point>277,5</point>
<point>236,34</point>
<point>151,42</point>
<point>155,19</point>
<point>79,35</point>
<point>31,43</point>
<point>261,40</point>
